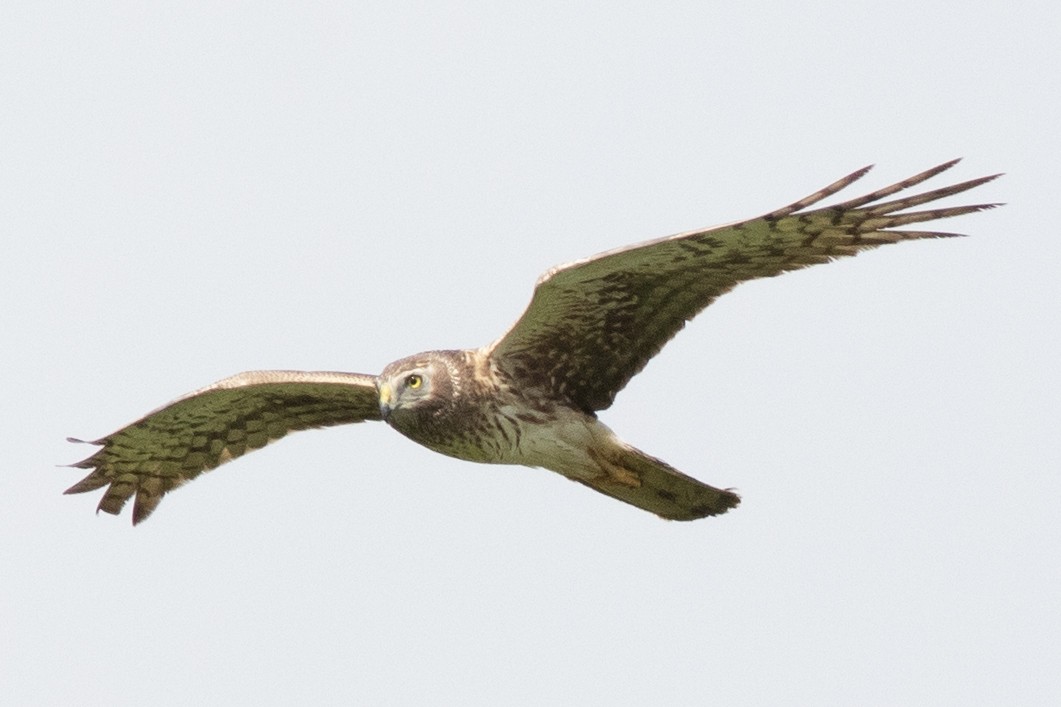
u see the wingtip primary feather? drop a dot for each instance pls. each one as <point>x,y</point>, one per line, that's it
<point>823,193</point>
<point>78,440</point>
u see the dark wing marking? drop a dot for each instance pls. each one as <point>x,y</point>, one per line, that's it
<point>593,324</point>
<point>208,427</point>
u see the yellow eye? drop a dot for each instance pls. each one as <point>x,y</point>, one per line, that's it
<point>414,381</point>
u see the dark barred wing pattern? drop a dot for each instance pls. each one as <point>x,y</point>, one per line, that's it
<point>593,324</point>
<point>204,429</point>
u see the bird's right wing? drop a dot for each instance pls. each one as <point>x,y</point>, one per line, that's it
<point>210,426</point>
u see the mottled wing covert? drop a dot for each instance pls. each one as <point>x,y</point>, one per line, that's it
<point>204,429</point>
<point>593,324</point>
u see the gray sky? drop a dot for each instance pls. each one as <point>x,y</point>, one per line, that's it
<point>196,189</point>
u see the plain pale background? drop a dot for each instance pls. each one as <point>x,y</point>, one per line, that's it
<point>188,190</point>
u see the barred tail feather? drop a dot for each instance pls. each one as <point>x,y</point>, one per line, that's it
<point>651,484</point>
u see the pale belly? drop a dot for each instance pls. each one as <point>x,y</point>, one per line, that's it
<point>559,442</point>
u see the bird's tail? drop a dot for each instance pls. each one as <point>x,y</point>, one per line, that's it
<point>641,480</point>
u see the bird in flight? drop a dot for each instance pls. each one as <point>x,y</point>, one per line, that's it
<point>530,397</point>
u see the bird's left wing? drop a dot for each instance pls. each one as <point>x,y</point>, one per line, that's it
<point>210,426</point>
<point>593,324</point>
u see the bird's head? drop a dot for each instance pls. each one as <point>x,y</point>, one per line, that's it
<point>415,389</point>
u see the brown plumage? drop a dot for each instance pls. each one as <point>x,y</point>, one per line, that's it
<point>531,397</point>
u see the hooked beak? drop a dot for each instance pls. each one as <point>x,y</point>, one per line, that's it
<point>386,398</point>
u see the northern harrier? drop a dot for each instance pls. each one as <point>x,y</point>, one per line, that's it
<point>530,397</point>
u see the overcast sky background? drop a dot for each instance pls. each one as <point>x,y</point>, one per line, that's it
<point>188,190</point>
